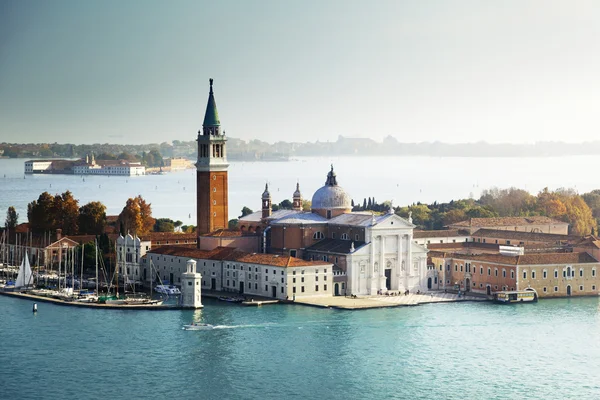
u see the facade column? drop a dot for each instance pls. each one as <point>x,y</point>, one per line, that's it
<point>382,265</point>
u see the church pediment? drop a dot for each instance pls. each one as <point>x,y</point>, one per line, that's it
<point>392,221</point>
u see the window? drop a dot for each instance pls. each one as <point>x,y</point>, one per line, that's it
<point>266,288</point>
<point>496,271</point>
<point>556,288</point>
<point>249,285</point>
<point>318,235</point>
<point>581,272</point>
<point>294,289</point>
<point>302,279</point>
<point>581,288</point>
<point>481,270</point>
<point>545,289</point>
<point>593,272</point>
<point>504,273</point>
<point>333,235</point>
<point>292,253</point>
<point>455,267</point>
<point>345,236</point>
<point>256,286</point>
<point>524,274</point>
<point>324,287</point>
<point>489,272</point>
<point>281,280</point>
<point>316,278</point>
<point>227,282</point>
<point>532,274</point>
<point>545,274</point>
<point>294,280</point>
<point>461,268</point>
<point>316,288</point>
<point>593,287</point>
<point>556,273</point>
<point>325,271</point>
<point>356,237</point>
<point>282,289</point>
<point>302,289</point>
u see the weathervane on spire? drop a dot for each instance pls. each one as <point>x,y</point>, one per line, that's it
<point>211,83</point>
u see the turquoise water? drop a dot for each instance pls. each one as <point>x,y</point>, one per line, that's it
<point>546,350</point>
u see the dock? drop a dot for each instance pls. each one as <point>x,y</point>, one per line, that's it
<point>257,303</point>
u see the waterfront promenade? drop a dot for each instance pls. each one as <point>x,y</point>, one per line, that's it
<point>367,302</point>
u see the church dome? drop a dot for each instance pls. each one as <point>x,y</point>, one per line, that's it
<point>331,196</point>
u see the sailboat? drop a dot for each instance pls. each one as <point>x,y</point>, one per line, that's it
<point>25,276</point>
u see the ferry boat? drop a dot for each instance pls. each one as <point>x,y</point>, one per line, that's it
<point>515,296</point>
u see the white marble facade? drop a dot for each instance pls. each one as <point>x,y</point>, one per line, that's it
<point>389,261</point>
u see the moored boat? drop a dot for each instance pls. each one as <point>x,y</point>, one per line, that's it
<point>231,299</point>
<point>169,290</point>
<point>515,296</point>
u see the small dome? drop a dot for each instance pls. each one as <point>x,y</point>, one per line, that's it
<point>266,195</point>
<point>331,196</point>
<point>297,192</point>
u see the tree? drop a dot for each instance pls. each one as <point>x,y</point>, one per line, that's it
<point>306,205</point>
<point>420,214</point>
<point>66,213</point>
<point>12,218</point>
<point>233,224</point>
<point>164,225</point>
<point>579,216</point>
<point>40,213</point>
<point>92,218</point>
<point>136,216</point>
<point>286,205</point>
<point>245,211</point>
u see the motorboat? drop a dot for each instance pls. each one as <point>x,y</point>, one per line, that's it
<point>198,327</point>
<point>86,297</point>
<point>231,299</point>
<point>169,290</point>
<point>515,296</point>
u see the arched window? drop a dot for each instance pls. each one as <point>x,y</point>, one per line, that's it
<point>345,236</point>
<point>318,235</point>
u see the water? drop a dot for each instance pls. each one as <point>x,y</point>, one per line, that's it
<point>442,351</point>
<point>404,179</point>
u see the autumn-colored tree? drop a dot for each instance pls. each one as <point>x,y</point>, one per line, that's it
<point>12,218</point>
<point>508,202</point>
<point>130,218</point>
<point>65,211</point>
<point>136,217</point>
<point>306,205</point>
<point>579,215</point>
<point>92,218</point>
<point>40,213</point>
<point>453,216</point>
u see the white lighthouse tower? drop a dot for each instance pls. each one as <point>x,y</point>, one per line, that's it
<point>191,287</point>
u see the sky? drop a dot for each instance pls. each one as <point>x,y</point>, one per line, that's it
<point>136,71</point>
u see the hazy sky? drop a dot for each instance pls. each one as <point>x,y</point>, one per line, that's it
<point>136,71</point>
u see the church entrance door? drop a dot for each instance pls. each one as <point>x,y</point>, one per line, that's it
<point>241,287</point>
<point>213,284</point>
<point>388,279</point>
<point>274,291</point>
<point>336,289</point>
<point>428,283</point>
<point>467,285</point>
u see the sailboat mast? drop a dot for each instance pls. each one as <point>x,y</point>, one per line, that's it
<point>59,264</point>
<point>96,251</point>
<point>81,276</point>
<point>117,272</point>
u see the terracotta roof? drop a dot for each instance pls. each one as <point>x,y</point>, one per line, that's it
<point>527,259</point>
<point>90,238</point>
<point>508,221</point>
<point>590,242</point>
<point>152,236</point>
<point>111,218</point>
<point>537,236</point>
<point>22,228</point>
<point>233,254</point>
<point>439,233</point>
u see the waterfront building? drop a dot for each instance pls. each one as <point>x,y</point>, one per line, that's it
<point>549,274</point>
<point>211,175</point>
<point>523,224</point>
<point>370,253</point>
<point>89,166</point>
<point>233,270</point>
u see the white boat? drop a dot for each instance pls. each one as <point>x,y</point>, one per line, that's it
<point>25,277</point>
<point>197,327</point>
<point>169,290</point>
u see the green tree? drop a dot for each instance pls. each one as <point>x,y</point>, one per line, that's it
<point>40,214</point>
<point>164,225</point>
<point>233,223</point>
<point>66,213</point>
<point>12,218</point>
<point>285,205</point>
<point>245,211</point>
<point>92,218</point>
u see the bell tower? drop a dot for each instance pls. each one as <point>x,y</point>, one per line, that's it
<point>211,182</point>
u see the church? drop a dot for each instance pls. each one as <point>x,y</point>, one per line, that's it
<point>370,253</point>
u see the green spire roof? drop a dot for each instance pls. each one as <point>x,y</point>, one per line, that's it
<point>211,118</point>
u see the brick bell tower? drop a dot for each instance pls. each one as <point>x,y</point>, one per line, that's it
<point>211,182</point>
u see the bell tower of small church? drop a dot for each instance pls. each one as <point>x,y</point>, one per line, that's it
<point>211,182</point>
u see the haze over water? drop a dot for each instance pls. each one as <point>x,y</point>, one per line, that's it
<point>405,180</point>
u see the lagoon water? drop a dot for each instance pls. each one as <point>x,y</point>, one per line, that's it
<point>548,350</point>
<point>404,180</point>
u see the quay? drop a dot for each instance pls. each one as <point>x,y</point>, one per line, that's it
<point>370,302</point>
